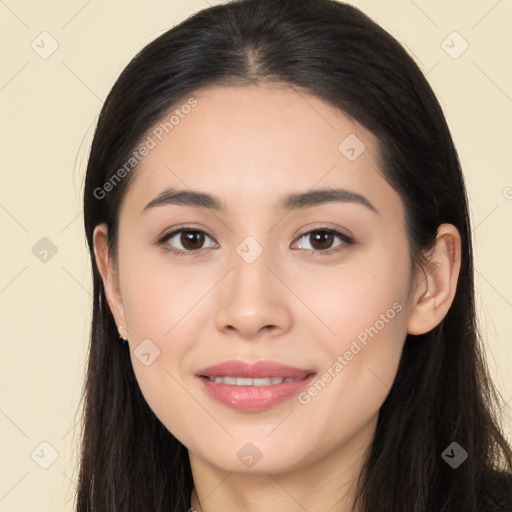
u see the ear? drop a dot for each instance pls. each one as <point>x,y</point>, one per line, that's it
<point>109,277</point>
<point>435,289</point>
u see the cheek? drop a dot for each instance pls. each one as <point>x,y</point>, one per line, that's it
<point>366,292</point>
<point>362,355</point>
<point>159,309</point>
<point>164,313</point>
<point>365,308</point>
<point>158,296</point>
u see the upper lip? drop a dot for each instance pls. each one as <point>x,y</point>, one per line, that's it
<point>259,369</point>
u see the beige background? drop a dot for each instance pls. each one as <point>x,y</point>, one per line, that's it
<point>49,107</point>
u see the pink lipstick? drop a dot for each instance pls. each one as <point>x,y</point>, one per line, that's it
<point>253,387</point>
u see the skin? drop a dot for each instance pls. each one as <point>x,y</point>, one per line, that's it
<point>251,146</point>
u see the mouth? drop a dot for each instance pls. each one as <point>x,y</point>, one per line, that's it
<point>238,369</point>
<point>244,381</point>
<point>253,387</point>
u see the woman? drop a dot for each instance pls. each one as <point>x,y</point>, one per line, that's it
<point>280,242</point>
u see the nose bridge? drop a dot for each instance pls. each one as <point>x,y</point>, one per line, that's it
<point>250,298</point>
<point>251,275</point>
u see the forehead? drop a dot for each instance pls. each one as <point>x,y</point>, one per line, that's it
<point>251,144</point>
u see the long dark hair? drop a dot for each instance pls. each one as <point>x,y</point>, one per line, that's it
<point>442,392</point>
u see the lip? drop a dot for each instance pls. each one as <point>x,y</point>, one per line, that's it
<point>259,369</point>
<point>253,398</point>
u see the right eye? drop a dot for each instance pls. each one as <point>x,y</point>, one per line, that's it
<point>191,241</point>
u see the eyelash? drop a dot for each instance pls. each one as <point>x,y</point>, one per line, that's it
<point>347,242</point>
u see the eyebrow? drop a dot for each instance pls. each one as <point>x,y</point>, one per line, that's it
<point>294,201</point>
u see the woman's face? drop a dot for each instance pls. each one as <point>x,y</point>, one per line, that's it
<point>319,285</point>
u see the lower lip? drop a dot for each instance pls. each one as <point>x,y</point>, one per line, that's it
<point>254,398</point>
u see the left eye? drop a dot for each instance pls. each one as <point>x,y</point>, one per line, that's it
<point>322,239</point>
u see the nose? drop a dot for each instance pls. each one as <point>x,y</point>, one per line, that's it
<point>253,300</point>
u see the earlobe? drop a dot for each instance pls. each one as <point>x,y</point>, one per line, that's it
<point>108,275</point>
<point>435,291</point>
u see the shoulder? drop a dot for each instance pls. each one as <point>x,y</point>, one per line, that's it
<point>495,492</point>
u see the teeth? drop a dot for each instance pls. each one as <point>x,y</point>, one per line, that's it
<point>244,381</point>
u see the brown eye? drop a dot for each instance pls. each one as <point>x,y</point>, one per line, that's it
<point>183,241</point>
<point>321,241</point>
<point>192,240</point>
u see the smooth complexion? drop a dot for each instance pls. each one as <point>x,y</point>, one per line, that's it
<point>295,304</point>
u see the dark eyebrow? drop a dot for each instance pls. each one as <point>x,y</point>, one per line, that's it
<point>187,198</point>
<point>316,197</point>
<point>295,201</point>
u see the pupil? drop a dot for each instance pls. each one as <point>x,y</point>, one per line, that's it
<point>191,236</point>
<point>326,237</point>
